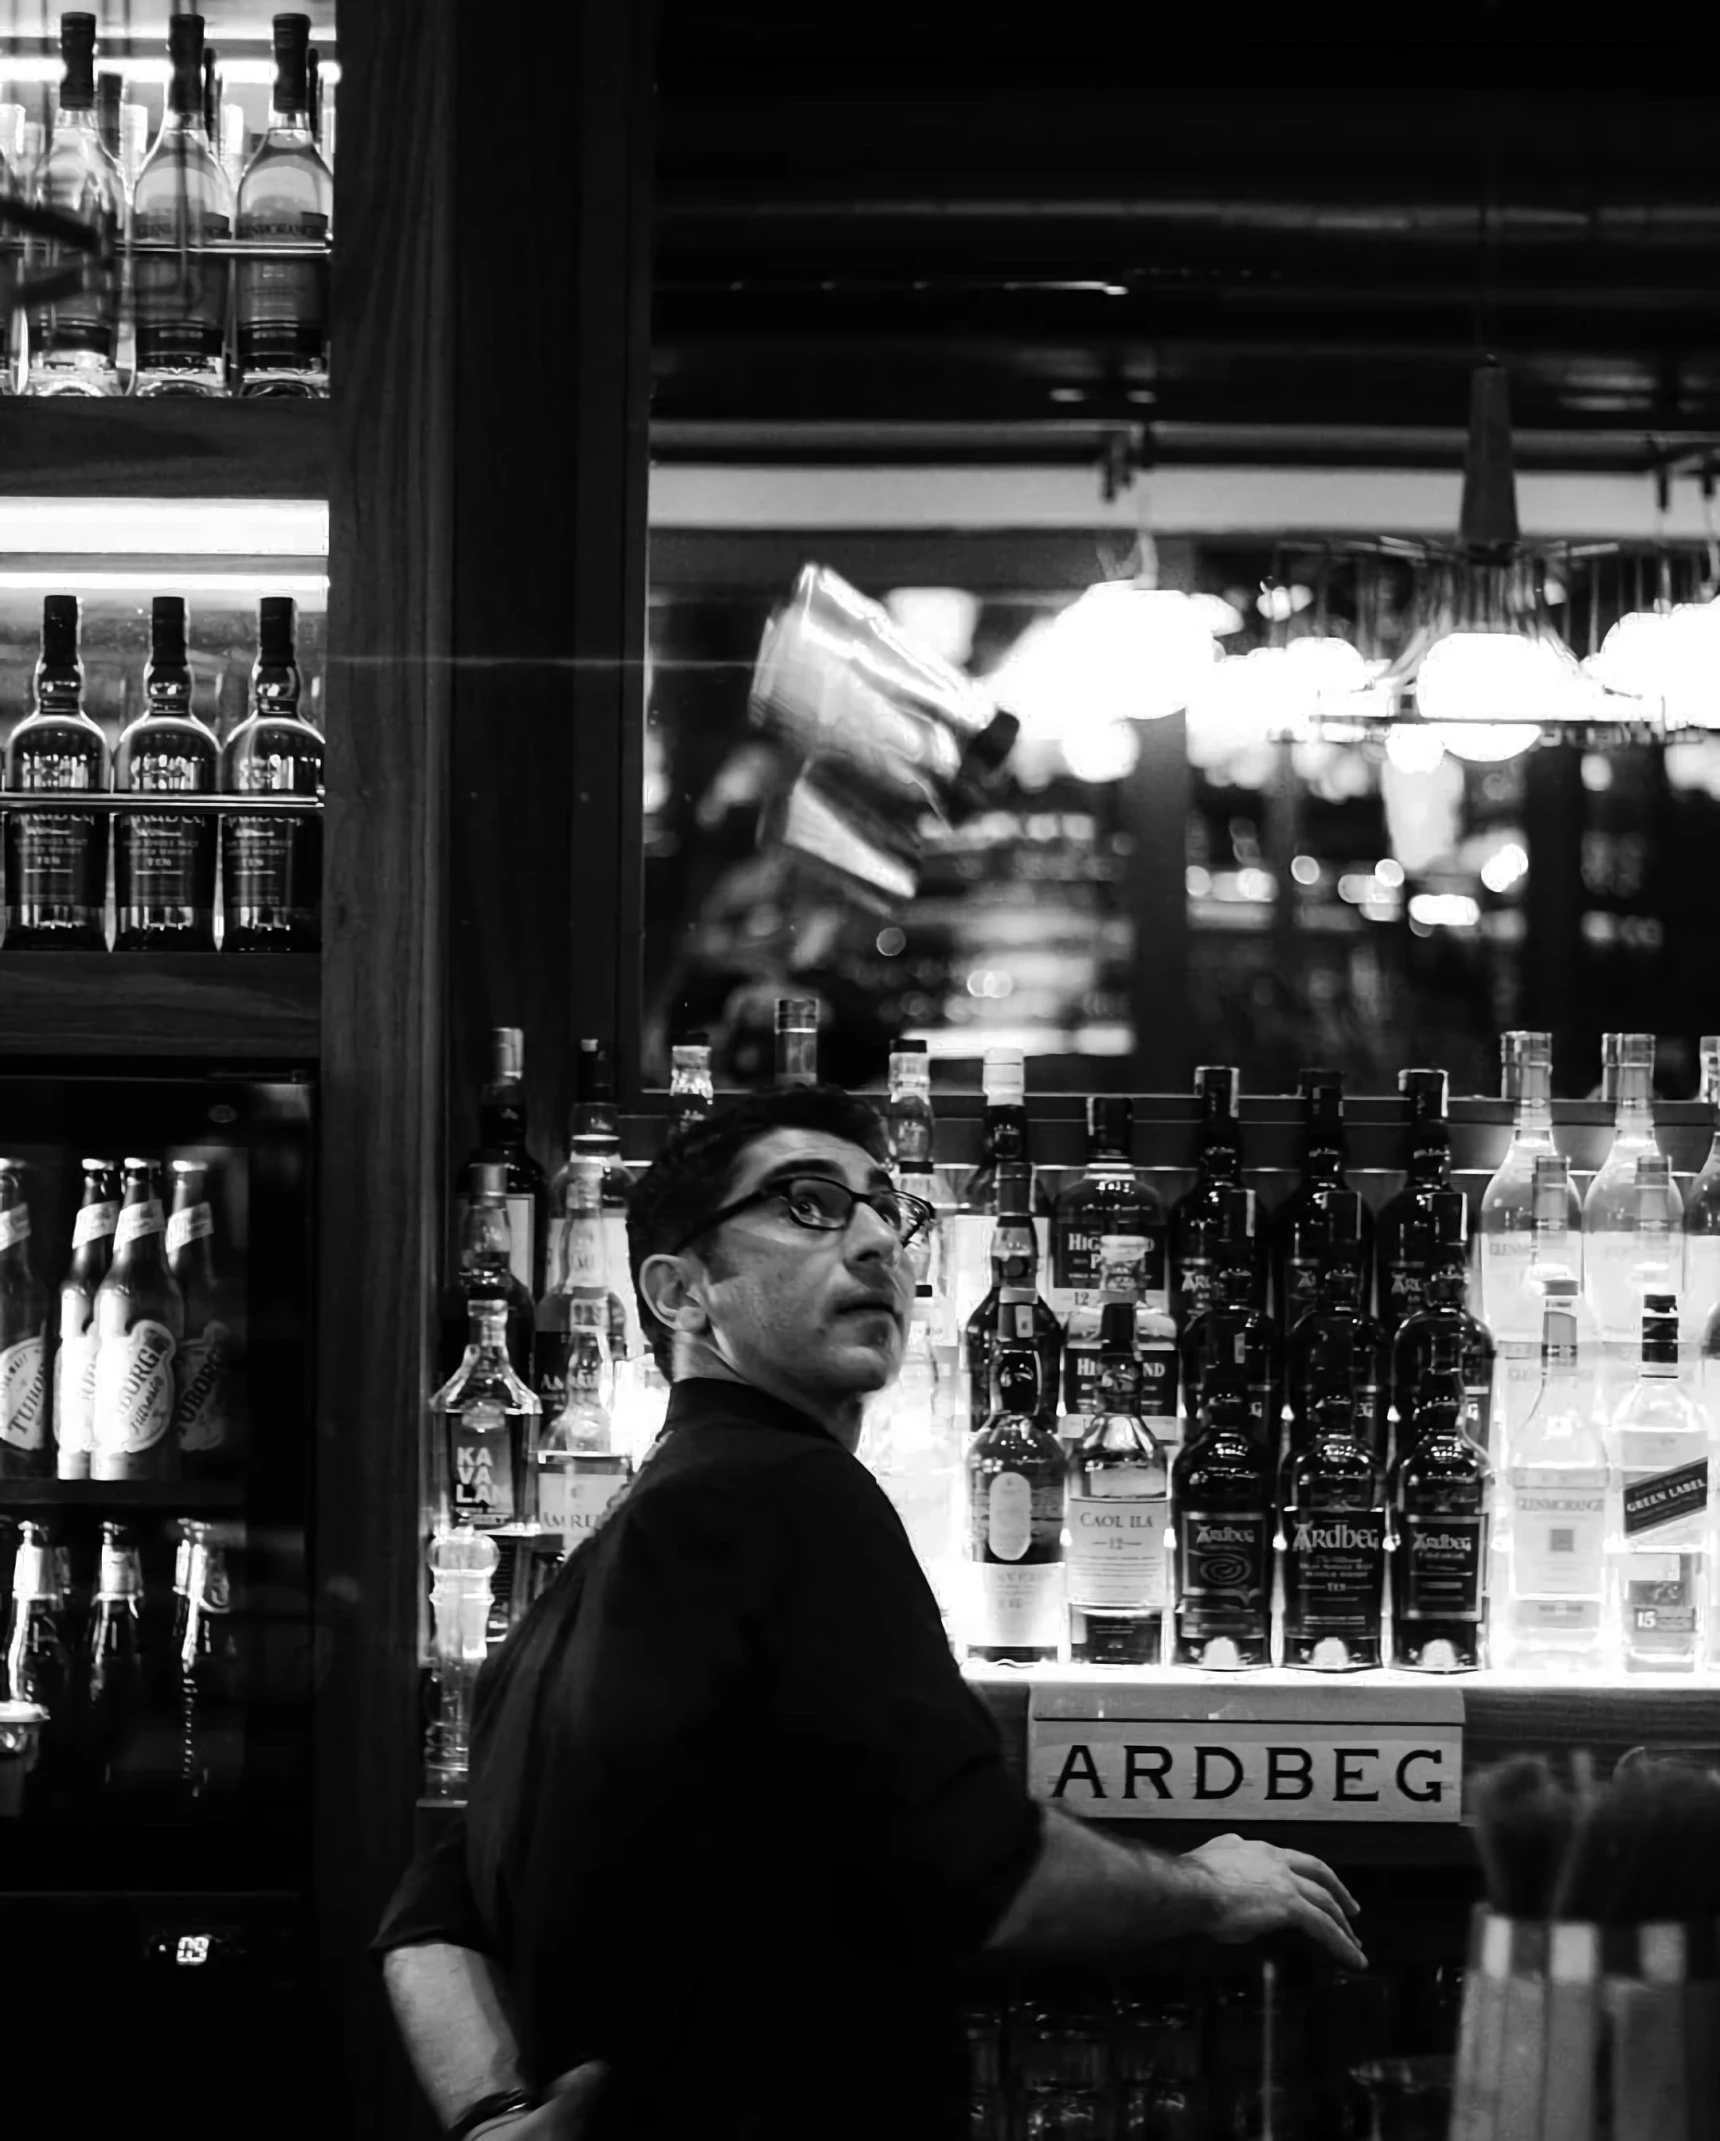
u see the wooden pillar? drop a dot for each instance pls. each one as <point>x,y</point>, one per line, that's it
<point>1554,811</point>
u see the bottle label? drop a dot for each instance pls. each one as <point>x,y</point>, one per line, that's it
<point>1557,1530</point>
<point>134,1386</point>
<point>59,856</point>
<point>161,850</point>
<point>181,307</point>
<point>200,1420</point>
<point>1224,1558</point>
<point>75,1385</point>
<point>481,1486</point>
<point>93,1223</point>
<point>1656,1499</point>
<point>273,864</point>
<point>1195,1287</point>
<point>137,1220</point>
<point>1660,1596</point>
<point>1157,1362</point>
<point>282,308</point>
<point>1445,1560</point>
<point>585,1251</point>
<point>195,1223</point>
<point>1117,1536</point>
<point>1020,1606</point>
<point>1301,1288</point>
<point>1009,1516</point>
<point>522,1240</point>
<point>1511,1304</point>
<point>24,1393</point>
<point>1337,1570</point>
<point>574,1502</point>
<point>14,1225</point>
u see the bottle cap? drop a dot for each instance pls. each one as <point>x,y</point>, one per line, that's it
<point>1660,1304</point>
<point>1015,1190</point>
<point>797,1014</point>
<point>490,1176</point>
<point>1004,1077</point>
<point>1552,1167</point>
<point>1634,1049</point>
<point>167,612</point>
<point>77,52</point>
<point>277,618</point>
<point>60,614</point>
<point>507,1054</point>
<point>1117,1328</point>
<point>902,1047</point>
<point>1318,1080</point>
<point>135,1166</point>
<point>698,1038</point>
<point>1110,1124</point>
<point>1425,1090</point>
<point>1653,1170</point>
<point>595,1071</point>
<point>1217,1084</point>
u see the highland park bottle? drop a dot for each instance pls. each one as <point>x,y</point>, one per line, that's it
<point>1334,1525</point>
<point>56,856</point>
<point>286,197</point>
<point>1109,1198</point>
<point>1117,1514</point>
<point>1441,1508</point>
<point>164,860</point>
<point>1221,1514</point>
<point>140,1321</point>
<point>181,203</point>
<point>74,336</point>
<point>271,866</point>
<point>1015,1502</point>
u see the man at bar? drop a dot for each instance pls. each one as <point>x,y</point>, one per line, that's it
<point>736,1823</point>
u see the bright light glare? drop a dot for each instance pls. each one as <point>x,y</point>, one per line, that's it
<point>1118,653</point>
<point>1254,884</point>
<point>1669,656</point>
<point>1505,867</point>
<point>941,618</point>
<point>1280,604</point>
<point>1304,869</point>
<point>1389,870</point>
<point>1104,752</point>
<point>1197,883</point>
<point>1488,743</point>
<point>163,527</point>
<point>1444,910</point>
<point>1488,677</point>
<point>162,580</point>
<point>1414,748</point>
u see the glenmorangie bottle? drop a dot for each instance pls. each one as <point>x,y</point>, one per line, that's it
<point>56,856</point>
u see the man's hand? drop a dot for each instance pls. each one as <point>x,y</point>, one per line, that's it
<point>1257,1888</point>
<point>563,2116</point>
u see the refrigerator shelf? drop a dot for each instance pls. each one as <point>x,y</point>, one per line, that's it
<point>185,1497</point>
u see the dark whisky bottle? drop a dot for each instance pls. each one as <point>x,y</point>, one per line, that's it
<point>271,866</point>
<point>1335,1351</point>
<point>1109,1198</point>
<point>595,1135</point>
<point>1116,1513</point>
<point>1234,1333</point>
<point>1015,1499</point>
<point>486,1273</point>
<point>1012,1310</point>
<point>164,860</point>
<point>1196,1220</point>
<point>1441,1509</point>
<point>1334,1528</point>
<point>1300,1223</point>
<point>38,1658</point>
<point>1408,1242</point>
<point>1221,1515</point>
<point>56,857</point>
<point>502,1125</point>
<point>1006,1136</point>
<point>1443,1308</point>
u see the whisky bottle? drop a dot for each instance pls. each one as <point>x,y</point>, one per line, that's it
<point>271,866</point>
<point>1196,1217</point>
<point>1012,1312</point>
<point>1335,1351</point>
<point>908,1120</point>
<point>1443,1293</point>
<point>1613,1250</point>
<point>75,1361</point>
<point>206,1424</point>
<point>583,1298</point>
<point>691,1093</point>
<point>487,1423</point>
<point>285,197</point>
<point>579,1469</point>
<point>1109,1198</point>
<point>1117,1512</point>
<point>502,1127</point>
<point>182,202</point>
<point>1334,1524</point>
<point>1233,1333</point>
<point>595,1135</point>
<point>1015,1504</point>
<point>1407,1248</point>
<point>24,1446</point>
<point>1659,1529</point>
<point>1005,1138</point>
<point>56,856</point>
<point>1555,1511</point>
<point>485,1272</point>
<point>1300,1224</point>
<point>797,1040</point>
<point>140,1321</point>
<point>1442,1493</point>
<point>74,336</point>
<point>1510,1303</point>
<point>1222,1521</point>
<point>914,1449</point>
<point>164,860</point>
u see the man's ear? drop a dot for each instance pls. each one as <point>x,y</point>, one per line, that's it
<point>674,1288</point>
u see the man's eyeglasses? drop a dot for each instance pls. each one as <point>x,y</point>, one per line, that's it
<point>824,1206</point>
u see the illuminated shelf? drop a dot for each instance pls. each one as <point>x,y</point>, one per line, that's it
<point>224,1011</point>
<point>185,1497</point>
<point>65,447</point>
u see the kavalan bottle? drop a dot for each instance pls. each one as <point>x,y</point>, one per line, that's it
<point>285,197</point>
<point>271,865</point>
<point>1012,1311</point>
<point>1196,1220</point>
<point>487,1422</point>
<point>140,1321</point>
<point>1015,1502</point>
<point>74,337</point>
<point>181,203</point>
<point>1300,1224</point>
<point>75,1362</point>
<point>24,1448</point>
<point>56,856</point>
<point>1555,1514</point>
<point>1117,1512</point>
<point>1441,1509</point>
<point>1334,1525</point>
<point>1660,1523</point>
<point>1408,1249</point>
<point>164,860</point>
<point>1222,1519</point>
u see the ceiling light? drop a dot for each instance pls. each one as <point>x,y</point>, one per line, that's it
<point>1120,652</point>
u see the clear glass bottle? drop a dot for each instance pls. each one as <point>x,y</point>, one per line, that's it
<point>1701,1294</point>
<point>1196,1218</point>
<point>1659,1518</point>
<point>580,1470</point>
<point>583,1298</point>
<point>140,1321</point>
<point>56,857</point>
<point>1005,1143</point>
<point>908,1119</point>
<point>797,1040</point>
<point>1442,1505</point>
<point>1555,1251</point>
<point>75,1360</point>
<point>1015,1504</point>
<point>74,338</point>
<point>1334,1528</point>
<point>15,169</point>
<point>1407,1246</point>
<point>485,1271</point>
<point>182,202</point>
<point>271,867</point>
<point>1117,1513</point>
<point>462,1564</point>
<point>486,1422</point>
<point>914,1448</point>
<point>1012,1311</point>
<point>164,861</point>
<point>1613,1248</point>
<point>1510,1297</point>
<point>1300,1222</point>
<point>1555,1511</point>
<point>1222,1525</point>
<point>285,197</point>
<point>691,1092</point>
<point>595,1135</point>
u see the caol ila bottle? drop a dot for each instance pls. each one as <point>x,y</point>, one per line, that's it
<point>1441,1510</point>
<point>1221,1514</point>
<point>271,866</point>
<point>56,856</point>
<point>1334,1545</point>
<point>1233,1332</point>
<point>164,860</point>
<point>1406,1240</point>
<point>1196,1217</point>
<point>1116,1514</point>
<point>1015,1500</point>
<point>1300,1222</point>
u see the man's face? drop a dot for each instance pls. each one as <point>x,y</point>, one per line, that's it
<point>824,1311</point>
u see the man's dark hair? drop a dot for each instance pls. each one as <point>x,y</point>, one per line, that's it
<point>691,1177</point>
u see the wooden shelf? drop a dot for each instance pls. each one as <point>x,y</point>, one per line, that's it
<point>185,1497</point>
<point>182,450</point>
<point>239,1010</point>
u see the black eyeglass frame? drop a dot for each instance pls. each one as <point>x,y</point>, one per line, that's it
<point>921,1213</point>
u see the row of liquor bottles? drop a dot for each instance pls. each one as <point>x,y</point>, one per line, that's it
<point>130,1695</point>
<point>204,280</point>
<point>166,864</point>
<point>134,1373</point>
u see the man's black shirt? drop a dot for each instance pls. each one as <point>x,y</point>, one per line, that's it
<point>736,1822</point>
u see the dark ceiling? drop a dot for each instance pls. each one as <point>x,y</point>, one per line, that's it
<point>1263,234</point>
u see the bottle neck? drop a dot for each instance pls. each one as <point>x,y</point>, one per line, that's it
<point>484,1241</point>
<point>79,118</point>
<point>1634,1116</point>
<point>1005,1132</point>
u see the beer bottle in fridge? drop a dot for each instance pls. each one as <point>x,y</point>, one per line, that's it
<point>24,1452</point>
<point>75,1363</point>
<point>38,1655</point>
<point>114,1695</point>
<point>205,1427</point>
<point>164,859</point>
<point>140,1321</point>
<point>206,1672</point>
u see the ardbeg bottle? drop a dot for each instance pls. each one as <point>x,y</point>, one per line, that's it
<point>1197,1218</point>
<point>1232,1331</point>
<point>1300,1224</point>
<point>56,855</point>
<point>1015,1501</point>
<point>1117,1514</point>
<point>1443,1295</point>
<point>1012,1311</point>
<point>271,865</point>
<point>164,860</point>
<point>1442,1495</point>
<point>140,1322</point>
<point>75,1362</point>
<point>24,1446</point>
<point>1334,1525</point>
<point>1407,1245</point>
<point>1221,1515</point>
<point>1335,1351</point>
